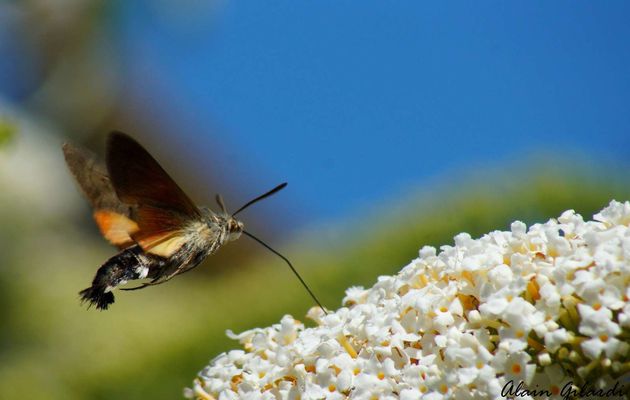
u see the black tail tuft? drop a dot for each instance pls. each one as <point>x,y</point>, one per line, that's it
<point>97,296</point>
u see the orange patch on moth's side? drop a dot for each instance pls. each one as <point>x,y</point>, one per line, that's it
<point>162,232</point>
<point>115,227</point>
<point>164,245</point>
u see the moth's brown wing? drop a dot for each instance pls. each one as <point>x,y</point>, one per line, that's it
<point>161,209</point>
<point>112,216</point>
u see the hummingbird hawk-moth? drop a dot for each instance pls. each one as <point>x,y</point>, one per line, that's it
<point>139,209</point>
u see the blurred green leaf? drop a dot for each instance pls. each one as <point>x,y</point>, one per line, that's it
<point>7,130</point>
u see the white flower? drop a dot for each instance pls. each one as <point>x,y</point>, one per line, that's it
<point>460,324</point>
<point>555,339</point>
<point>355,295</point>
<point>615,214</point>
<point>597,322</point>
<point>624,316</point>
<point>594,347</point>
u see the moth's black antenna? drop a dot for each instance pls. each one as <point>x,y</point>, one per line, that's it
<point>286,259</point>
<point>262,196</point>
<point>221,204</point>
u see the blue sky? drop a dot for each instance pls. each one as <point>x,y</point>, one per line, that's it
<point>354,103</point>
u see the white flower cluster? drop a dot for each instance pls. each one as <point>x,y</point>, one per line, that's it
<point>538,307</point>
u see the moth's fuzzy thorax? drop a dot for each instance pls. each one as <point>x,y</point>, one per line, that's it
<point>223,226</point>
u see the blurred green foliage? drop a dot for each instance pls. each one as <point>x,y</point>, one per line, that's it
<point>7,130</point>
<point>152,342</point>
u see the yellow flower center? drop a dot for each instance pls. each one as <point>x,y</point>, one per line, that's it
<point>516,368</point>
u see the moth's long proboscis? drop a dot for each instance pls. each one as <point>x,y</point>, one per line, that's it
<point>290,266</point>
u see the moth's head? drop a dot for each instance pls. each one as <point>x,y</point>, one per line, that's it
<point>234,228</point>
